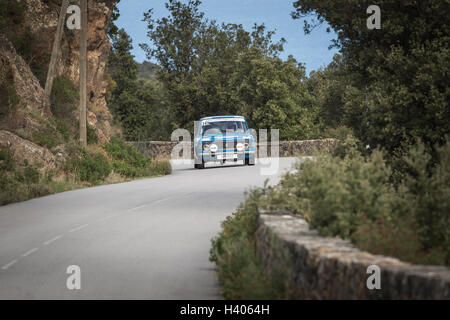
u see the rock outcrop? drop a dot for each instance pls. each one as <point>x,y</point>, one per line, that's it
<point>22,149</point>
<point>23,80</point>
<point>22,84</point>
<point>42,21</point>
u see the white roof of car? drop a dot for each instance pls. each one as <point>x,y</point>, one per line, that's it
<point>222,119</point>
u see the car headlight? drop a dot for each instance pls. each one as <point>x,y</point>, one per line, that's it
<point>206,147</point>
<point>213,147</point>
<point>240,147</point>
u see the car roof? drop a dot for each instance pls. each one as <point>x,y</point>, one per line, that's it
<point>218,117</point>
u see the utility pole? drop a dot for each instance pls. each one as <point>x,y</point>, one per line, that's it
<point>54,57</point>
<point>83,73</point>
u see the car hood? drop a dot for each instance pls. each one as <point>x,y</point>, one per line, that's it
<point>225,137</point>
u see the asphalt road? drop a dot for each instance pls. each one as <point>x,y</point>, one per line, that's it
<point>146,239</point>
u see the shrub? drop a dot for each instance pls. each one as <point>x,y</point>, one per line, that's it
<point>121,151</point>
<point>62,128</point>
<point>426,195</point>
<point>341,133</point>
<point>31,175</point>
<point>160,167</point>
<point>129,162</point>
<point>334,194</point>
<point>8,95</point>
<point>11,13</point>
<point>64,98</point>
<point>6,160</point>
<point>397,238</point>
<point>87,167</point>
<point>91,133</point>
<point>352,196</point>
<point>240,270</point>
<point>45,138</point>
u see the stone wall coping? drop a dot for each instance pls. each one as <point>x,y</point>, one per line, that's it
<point>294,233</point>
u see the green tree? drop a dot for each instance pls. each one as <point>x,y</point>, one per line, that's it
<point>211,69</point>
<point>137,104</point>
<point>399,86</point>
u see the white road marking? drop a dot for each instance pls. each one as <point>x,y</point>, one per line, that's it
<point>78,228</point>
<point>137,208</point>
<point>161,200</point>
<point>26,254</point>
<point>52,240</point>
<point>7,266</point>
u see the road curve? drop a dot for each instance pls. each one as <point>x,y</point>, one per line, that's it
<point>146,239</point>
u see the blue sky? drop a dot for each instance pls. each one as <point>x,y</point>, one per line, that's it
<point>312,50</point>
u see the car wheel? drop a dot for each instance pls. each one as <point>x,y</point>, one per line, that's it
<point>250,161</point>
<point>199,165</point>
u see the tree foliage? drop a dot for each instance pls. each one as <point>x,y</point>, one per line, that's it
<point>136,104</point>
<point>215,69</point>
<point>396,78</point>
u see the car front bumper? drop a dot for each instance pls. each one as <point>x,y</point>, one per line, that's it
<point>227,155</point>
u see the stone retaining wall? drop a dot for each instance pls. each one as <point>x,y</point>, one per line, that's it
<point>163,149</point>
<point>331,268</point>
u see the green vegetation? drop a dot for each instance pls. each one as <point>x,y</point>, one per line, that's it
<point>45,137</point>
<point>148,70</point>
<point>212,69</point>
<point>138,104</point>
<point>129,162</point>
<point>389,85</point>
<point>114,162</point>
<point>20,182</point>
<point>8,95</point>
<point>240,270</point>
<point>92,167</point>
<point>64,97</point>
<point>349,196</point>
<point>389,88</point>
<point>12,15</point>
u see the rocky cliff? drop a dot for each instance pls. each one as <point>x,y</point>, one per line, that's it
<point>32,24</point>
<point>41,18</point>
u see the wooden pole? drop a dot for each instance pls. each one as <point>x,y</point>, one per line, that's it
<point>83,73</point>
<point>54,57</point>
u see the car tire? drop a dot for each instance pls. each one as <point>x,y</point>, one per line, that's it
<point>250,161</point>
<point>199,165</point>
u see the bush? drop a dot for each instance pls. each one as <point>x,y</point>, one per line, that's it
<point>352,196</point>
<point>6,160</point>
<point>31,175</point>
<point>396,238</point>
<point>335,194</point>
<point>8,95</point>
<point>241,272</point>
<point>129,162</point>
<point>45,138</point>
<point>11,13</point>
<point>91,134</point>
<point>88,167</point>
<point>426,195</point>
<point>64,98</point>
<point>20,182</point>
<point>160,167</point>
<point>62,128</point>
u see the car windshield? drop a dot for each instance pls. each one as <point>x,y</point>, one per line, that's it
<point>219,127</point>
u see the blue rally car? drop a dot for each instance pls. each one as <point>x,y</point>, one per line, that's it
<point>223,138</point>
